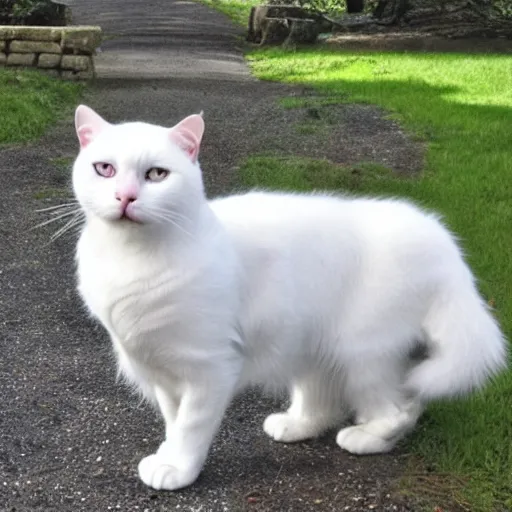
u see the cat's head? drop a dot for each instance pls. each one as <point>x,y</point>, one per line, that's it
<point>137,173</point>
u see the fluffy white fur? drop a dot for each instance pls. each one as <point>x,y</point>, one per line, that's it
<point>323,295</point>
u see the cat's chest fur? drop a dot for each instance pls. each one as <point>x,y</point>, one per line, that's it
<point>150,297</point>
<point>136,294</point>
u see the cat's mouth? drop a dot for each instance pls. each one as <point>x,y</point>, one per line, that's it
<point>128,217</point>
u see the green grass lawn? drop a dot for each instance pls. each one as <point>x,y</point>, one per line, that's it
<point>30,102</point>
<point>237,10</point>
<point>462,106</point>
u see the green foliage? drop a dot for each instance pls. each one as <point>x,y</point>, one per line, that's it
<point>6,7</point>
<point>462,105</point>
<point>326,6</point>
<point>503,8</point>
<point>31,12</point>
<point>24,8</point>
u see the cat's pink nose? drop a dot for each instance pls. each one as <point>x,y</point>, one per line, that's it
<point>125,200</point>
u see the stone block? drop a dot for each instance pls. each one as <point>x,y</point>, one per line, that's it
<point>31,33</point>
<point>3,58</point>
<point>34,47</point>
<point>76,62</point>
<point>81,39</point>
<point>21,59</point>
<point>274,30</point>
<point>6,32</point>
<point>302,31</point>
<point>48,60</point>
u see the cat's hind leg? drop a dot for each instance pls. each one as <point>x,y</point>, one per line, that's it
<point>316,405</point>
<point>383,413</point>
<point>379,435</point>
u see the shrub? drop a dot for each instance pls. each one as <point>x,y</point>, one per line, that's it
<point>32,12</point>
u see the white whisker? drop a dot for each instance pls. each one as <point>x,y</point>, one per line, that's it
<point>64,205</point>
<point>175,224</point>
<point>58,216</point>
<point>58,212</point>
<point>161,214</point>
<point>70,213</point>
<point>64,229</point>
<point>175,214</point>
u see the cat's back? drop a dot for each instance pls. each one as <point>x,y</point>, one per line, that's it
<point>267,209</point>
<point>389,229</point>
<point>369,217</point>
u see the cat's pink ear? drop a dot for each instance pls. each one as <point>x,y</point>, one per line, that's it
<point>88,124</point>
<point>187,134</point>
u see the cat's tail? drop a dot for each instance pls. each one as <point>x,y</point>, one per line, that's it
<point>466,346</point>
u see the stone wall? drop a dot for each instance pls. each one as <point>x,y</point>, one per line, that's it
<point>64,51</point>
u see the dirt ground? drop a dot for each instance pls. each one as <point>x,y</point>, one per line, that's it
<point>70,436</point>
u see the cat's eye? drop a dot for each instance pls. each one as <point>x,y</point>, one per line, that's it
<point>157,174</point>
<point>104,169</point>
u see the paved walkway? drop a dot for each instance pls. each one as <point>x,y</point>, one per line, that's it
<point>70,436</point>
<point>163,39</point>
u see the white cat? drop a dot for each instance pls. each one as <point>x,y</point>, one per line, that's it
<point>323,295</point>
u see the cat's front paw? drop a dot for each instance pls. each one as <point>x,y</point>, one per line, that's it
<point>159,474</point>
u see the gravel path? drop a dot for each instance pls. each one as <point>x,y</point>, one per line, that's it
<point>70,436</point>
